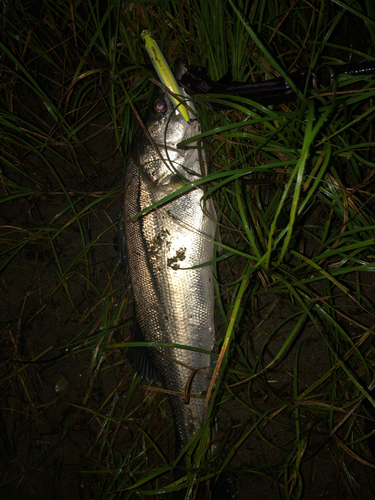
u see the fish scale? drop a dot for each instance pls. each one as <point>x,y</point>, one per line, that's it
<point>174,303</point>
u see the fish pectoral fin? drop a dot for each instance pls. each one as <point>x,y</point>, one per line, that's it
<point>140,357</point>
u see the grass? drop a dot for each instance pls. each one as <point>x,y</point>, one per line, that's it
<point>293,188</point>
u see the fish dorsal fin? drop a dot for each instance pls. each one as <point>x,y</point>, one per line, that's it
<point>139,357</point>
<point>121,245</point>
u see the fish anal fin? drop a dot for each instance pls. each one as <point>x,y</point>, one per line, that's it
<point>140,358</point>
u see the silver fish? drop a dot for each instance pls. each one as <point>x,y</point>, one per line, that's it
<point>174,303</point>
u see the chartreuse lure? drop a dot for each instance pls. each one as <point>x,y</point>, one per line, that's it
<point>163,70</point>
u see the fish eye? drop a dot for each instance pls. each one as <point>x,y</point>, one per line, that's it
<point>160,106</point>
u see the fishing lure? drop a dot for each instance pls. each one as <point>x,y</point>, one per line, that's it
<point>164,71</point>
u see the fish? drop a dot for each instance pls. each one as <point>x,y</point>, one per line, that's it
<point>168,251</point>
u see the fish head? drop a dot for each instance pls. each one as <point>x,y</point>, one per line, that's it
<point>164,122</point>
<point>162,162</point>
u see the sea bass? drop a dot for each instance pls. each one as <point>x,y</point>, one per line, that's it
<point>174,300</point>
